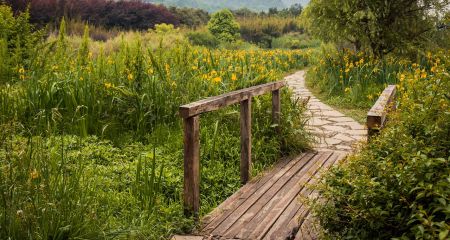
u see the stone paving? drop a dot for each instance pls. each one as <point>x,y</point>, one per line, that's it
<point>332,130</point>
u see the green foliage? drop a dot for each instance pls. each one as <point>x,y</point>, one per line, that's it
<point>398,186</point>
<point>223,26</point>
<point>91,143</point>
<point>355,78</point>
<point>378,26</point>
<point>295,41</point>
<point>17,42</point>
<point>203,38</point>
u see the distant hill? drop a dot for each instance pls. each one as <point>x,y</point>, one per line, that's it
<point>214,5</point>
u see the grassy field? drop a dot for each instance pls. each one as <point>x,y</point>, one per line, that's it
<point>92,143</point>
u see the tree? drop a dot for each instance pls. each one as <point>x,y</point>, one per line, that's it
<point>378,26</point>
<point>223,26</point>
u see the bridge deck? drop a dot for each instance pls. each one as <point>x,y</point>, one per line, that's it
<point>269,207</point>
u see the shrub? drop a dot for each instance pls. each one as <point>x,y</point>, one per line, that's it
<point>223,26</point>
<point>203,38</point>
<point>398,186</point>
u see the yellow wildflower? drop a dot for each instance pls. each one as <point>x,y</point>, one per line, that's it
<point>402,77</point>
<point>370,97</point>
<point>108,85</point>
<point>217,79</point>
<point>233,77</point>
<point>21,70</point>
<point>423,74</point>
<point>130,77</point>
<point>34,174</point>
<point>347,90</point>
<point>194,68</point>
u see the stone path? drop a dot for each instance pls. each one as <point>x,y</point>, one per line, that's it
<point>332,130</point>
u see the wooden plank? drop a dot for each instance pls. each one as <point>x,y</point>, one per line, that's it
<point>256,192</point>
<point>276,109</point>
<point>246,140</point>
<point>376,117</point>
<point>276,209</point>
<point>191,194</point>
<point>217,102</point>
<point>247,190</point>
<point>239,218</point>
<point>288,223</point>
<point>226,220</point>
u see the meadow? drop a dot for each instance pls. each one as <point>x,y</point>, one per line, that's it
<point>91,143</point>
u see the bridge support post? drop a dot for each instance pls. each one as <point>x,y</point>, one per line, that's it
<point>276,109</point>
<point>246,140</point>
<point>191,166</point>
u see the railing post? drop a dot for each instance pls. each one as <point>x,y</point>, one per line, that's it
<point>246,140</point>
<point>191,166</point>
<point>276,109</point>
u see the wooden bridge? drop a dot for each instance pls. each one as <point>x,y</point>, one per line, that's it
<point>268,207</point>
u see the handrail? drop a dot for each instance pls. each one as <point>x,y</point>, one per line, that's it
<point>377,116</point>
<point>191,124</point>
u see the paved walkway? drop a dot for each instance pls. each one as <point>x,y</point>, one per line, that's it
<point>332,129</point>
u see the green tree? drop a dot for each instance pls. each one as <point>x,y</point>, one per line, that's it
<point>223,26</point>
<point>379,26</point>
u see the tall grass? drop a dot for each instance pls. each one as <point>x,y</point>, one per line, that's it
<point>91,143</point>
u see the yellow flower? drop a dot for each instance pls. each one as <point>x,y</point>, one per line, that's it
<point>370,97</point>
<point>233,77</point>
<point>217,79</point>
<point>150,71</point>
<point>194,68</point>
<point>402,77</point>
<point>423,74</point>
<point>130,77</point>
<point>34,174</point>
<point>108,85</point>
<point>347,90</point>
<point>21,70</point>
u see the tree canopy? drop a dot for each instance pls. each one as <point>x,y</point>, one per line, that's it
<point>223,26</point>
<point>379,26</point>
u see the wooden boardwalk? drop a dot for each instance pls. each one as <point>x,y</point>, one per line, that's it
<point>269,207</point>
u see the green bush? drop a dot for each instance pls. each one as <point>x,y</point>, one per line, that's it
<point>295,41</point>
<point>202,38</point>
<point>223,26</point>
<point>398,186</point>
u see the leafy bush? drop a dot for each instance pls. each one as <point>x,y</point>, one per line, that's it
<point>398,186</point>
<point>295,41</point>
<point>121,14</point>
<point>223,26</point>
<point>203,38</point>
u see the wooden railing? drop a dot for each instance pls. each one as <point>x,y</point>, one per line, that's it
<point>191,122</point>
<point>377,116</point>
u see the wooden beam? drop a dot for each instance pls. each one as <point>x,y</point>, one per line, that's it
<point>191,166</point>
<point>276,109</point>
<point>246,140</point>
<point>217,102</point>
<point>376,117</point>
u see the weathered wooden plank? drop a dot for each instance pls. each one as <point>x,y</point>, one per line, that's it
<point>255,193</point>
<point>288,222</point>
<point>278,179</point>
<point>217,102</point>
<point>247,190</point>
<point>246,140</point>
<point>276,109</point>
<point>275,210</point>
<point>191,166</point>
<point>376,117</point>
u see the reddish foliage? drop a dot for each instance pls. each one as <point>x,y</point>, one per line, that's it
<point>108,13</point>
